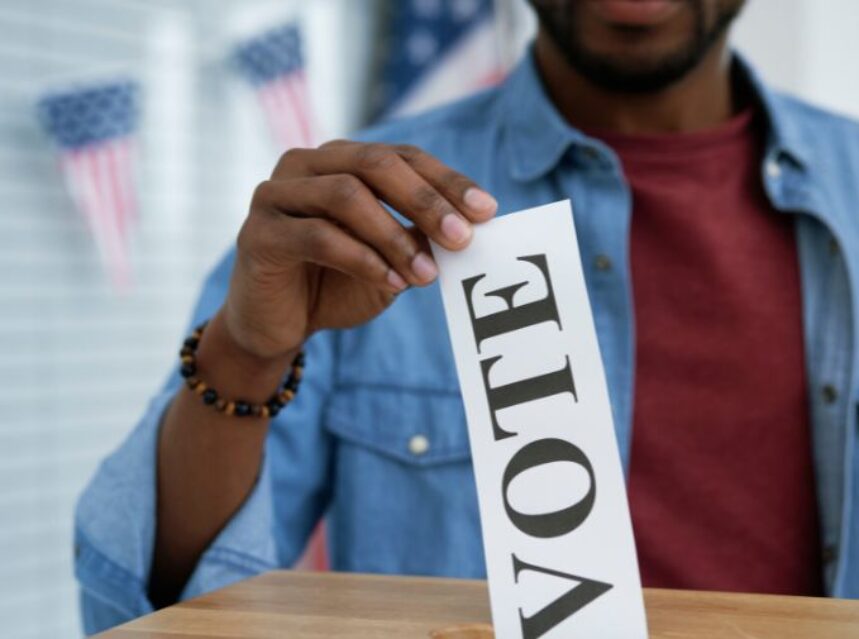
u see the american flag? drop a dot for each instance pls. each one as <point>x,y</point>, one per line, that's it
<point>438,50</point>
<point>94,128</point>
<point>274,65</point>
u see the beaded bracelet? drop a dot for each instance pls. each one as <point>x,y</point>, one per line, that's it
<point>239,407</point>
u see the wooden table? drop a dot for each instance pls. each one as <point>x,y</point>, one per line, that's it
<point>303,605</point>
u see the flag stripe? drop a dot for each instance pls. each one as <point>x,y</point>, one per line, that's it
<point>87,173</point>
<point>114,187</point>
<point>125,178</point>
<point>108,216</point>
<point>276,105</point>
<point>265,99</point>
<point>289,133</point>
<point>295,87</point>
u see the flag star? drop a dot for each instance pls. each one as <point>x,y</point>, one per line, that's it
<point>269,55</point>
<point>427,8</point>
<point>421,46</point>
<point>464,10</point>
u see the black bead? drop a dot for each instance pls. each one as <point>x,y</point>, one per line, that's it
<point>274,407</point>
<point>243,409</point>
<point>187,370</point>
<point>186,351</point>
<point>210,396</point>
<point>291,384</point>
<point>299,360</point>
<point>191,342</point>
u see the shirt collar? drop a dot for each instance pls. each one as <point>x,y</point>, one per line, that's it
<point>784,135</point>
<point>539,136</point>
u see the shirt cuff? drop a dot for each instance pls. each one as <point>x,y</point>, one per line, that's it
<point>115,531</point>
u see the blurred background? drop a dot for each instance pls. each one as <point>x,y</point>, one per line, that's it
<point>132,134</point>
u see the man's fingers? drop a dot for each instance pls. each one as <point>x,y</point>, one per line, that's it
<point>320,242</point>
<point>392,179</point>
<point>346,200</point>
<point>475,203</point>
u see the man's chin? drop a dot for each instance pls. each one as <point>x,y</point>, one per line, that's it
<point>633,63</point>
<point>621,79</point>
<point>633,49</point>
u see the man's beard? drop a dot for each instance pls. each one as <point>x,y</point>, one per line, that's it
<point>623,75</point>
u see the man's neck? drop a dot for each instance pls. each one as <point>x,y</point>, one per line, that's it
<point>702,99</point>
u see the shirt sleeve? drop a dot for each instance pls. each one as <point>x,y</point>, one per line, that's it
<point>115,515</point>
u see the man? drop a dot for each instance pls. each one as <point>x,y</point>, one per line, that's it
<point>719,224</point>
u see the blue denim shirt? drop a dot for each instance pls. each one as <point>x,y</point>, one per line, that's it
<point>342,448</point>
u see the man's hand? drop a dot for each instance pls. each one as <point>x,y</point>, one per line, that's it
<point>319,250</point>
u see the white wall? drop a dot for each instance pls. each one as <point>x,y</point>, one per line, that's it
<point>809,47</point>
<point>78,362</point>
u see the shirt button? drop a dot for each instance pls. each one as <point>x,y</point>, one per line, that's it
<point>830,393</point>
<point>833,247</point>
<point>418,445</point>
<point>830,553</point>
<point>602,263</point>
<point>773,169</point>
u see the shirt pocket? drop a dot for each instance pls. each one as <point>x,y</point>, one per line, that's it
<point>403,495</point>
<point>420,428</point>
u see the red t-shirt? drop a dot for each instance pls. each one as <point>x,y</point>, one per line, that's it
<point>721,484</point>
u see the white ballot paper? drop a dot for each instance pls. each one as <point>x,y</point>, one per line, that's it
<point>557,534</point>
